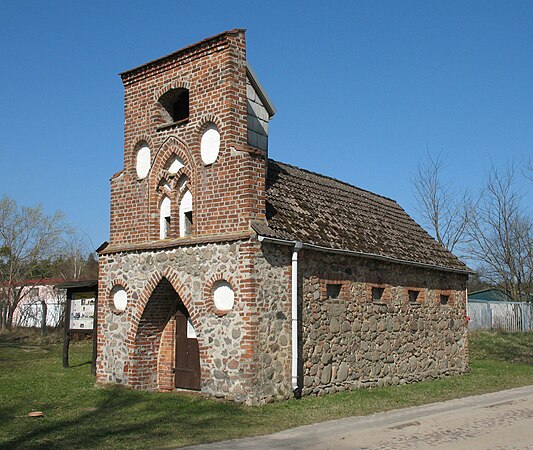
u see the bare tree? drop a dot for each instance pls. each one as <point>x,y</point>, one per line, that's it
<point>528,171</point>
<point>27,237</point>
<point>445,211</point>
<point>501,232</point>
<point>76,260</point>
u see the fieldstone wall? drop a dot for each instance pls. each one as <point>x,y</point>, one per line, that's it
<point>273,303</point>
<point>353,341</point>
<point>348,339</point>
<point>129,342</point>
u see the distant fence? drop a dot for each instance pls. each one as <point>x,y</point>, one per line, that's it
<point>508,316</point>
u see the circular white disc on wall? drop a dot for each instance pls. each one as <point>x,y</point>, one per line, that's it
<point>210,144</point>
<point>143,162</point>
<point>120,299</point>
<point>223,296</point>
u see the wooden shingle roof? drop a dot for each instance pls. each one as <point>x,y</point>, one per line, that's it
<point>321,211</point>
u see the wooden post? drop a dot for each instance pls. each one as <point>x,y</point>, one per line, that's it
<point>95,335</point>
<point>66,344</point>
<point>66,335</point>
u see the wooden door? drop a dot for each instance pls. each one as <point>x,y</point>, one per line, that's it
<point>187,353</point>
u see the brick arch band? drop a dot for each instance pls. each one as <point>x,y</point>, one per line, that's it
<point>208,292</point>
<point>109,295</point>
<point>139,141</point>
<point>175,84</point>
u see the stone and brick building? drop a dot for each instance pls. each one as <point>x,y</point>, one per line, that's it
<point>243,277</point>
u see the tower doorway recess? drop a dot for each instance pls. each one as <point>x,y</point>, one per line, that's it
<point>187,368</point>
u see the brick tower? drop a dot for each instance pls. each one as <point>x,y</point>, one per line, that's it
<point>178,271</point>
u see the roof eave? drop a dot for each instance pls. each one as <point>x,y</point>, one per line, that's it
<point>365,255</point>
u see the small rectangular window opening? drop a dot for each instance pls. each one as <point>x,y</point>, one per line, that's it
<point>444,299</point>
<point>413,296</point>
<point>377,294</point>
<point>188,223</point>
<point>333,291</point>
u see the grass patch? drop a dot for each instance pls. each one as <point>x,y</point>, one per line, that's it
<point>80,415</point>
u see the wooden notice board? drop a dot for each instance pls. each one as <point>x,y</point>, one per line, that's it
<point>80,314</point>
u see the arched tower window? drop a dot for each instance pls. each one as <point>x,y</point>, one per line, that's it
<point>164,218</point>
<point>176,104</point>
<point>186,214</point>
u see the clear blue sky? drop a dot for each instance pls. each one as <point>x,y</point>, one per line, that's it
<point>361,89</point>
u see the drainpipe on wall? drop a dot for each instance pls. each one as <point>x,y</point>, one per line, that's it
<point>294,317</point>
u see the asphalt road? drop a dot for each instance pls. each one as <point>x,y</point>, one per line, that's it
<point>501,420</point>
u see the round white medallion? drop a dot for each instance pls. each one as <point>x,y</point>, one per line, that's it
<point>143,162</point>
<point>223,296</point>
<point>120,299</point>
<point>210,144</point>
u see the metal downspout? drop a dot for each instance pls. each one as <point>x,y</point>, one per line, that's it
<point>294,317</point>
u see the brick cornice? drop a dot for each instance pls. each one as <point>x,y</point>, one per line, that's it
<point>178,242</point>
<point>129,76</point>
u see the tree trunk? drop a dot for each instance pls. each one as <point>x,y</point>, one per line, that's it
<point>9,311</point>
<point>43,319</point>
<point>2,318</point>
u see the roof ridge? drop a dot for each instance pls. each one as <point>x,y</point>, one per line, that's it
<point>334,179</point>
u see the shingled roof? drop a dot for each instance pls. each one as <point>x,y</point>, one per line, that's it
<point>321,211</point>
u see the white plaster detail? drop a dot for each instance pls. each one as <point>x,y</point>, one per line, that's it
<point>191,332</point>
<point>120,298</point>
<point>182,183</point>
<point>175,165</point>
<point>210,144</point>
<point>223,296</point>
<point>185,207</point>
<point>143,162</point>
<point>164,217</point>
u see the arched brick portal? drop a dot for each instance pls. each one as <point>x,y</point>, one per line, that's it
<point>153,348</point>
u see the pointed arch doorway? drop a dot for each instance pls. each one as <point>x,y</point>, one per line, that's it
<point>187,355</point>
<point>165,354</point>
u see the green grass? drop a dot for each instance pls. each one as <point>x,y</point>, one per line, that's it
<point>80,415</point>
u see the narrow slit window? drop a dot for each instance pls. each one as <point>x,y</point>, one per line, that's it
<point>186,214</point>
<point>377,294</point>
<point>188,223</point>
<point>164,218</point>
